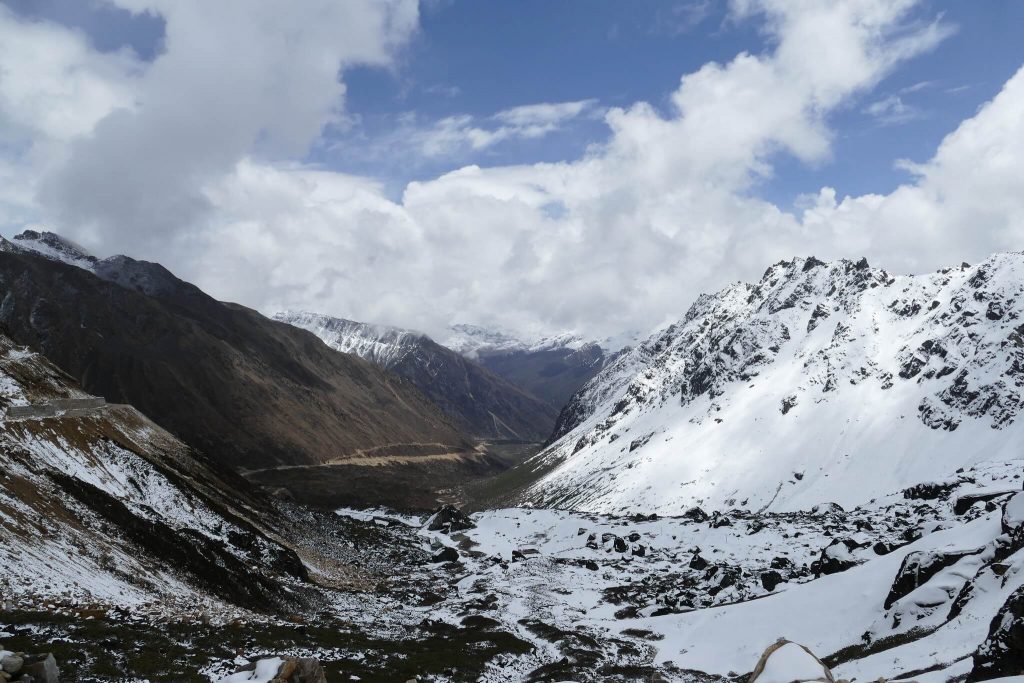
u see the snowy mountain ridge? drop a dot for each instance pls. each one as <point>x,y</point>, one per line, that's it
<point>380,344</point>
<point>55,247</point>
<point>822,382</point>
<point>474,340</point>
<point>478,401</point>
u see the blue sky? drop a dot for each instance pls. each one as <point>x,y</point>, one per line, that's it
<point>479,58</point>
<point>538,165</point>
<point>482,57</point>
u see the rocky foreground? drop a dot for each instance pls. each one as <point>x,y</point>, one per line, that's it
<point>924,584</point>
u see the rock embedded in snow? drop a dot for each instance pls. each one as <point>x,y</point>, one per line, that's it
<point>448,519</point>
<point>920,566</point>
<point>788,662</point>
<point>966,501</point>
<point>1013,514</point>
<point>837,557</point>
<point>445,554</point>
<point>1002,653</point>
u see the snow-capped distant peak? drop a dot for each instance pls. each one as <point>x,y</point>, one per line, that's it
<point>382,345</point>
<point>473,340</point>
<point>55,247</point>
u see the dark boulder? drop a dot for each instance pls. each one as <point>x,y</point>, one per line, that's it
<point>448,519</point>
<point>695,514</point>
<point>920,566</point>
<point>771,579</point>
<point>837,557</point>
<point>40,669</point>
<point>967,500</point>
<point>446,554</point>
<point>1002,653</point>
<point>720,521</point>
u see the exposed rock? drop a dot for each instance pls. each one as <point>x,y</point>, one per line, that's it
<point>920,566</point>
<point>1002,653</point>
<point>696,514</point>
<point>930,490</point>
<point>42,669</point>
<point>837,557</point>
<point>967,500</point>
<point>1013,515</point>
<point>697,562</point>
<point>446,554</point>
<point>771,579</point>
<point>448,519</point>
<point>12,664</point>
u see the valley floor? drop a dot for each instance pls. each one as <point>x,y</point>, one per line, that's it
<point>903,587</point>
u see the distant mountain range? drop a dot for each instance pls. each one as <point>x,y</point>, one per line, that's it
<point>552,368</point>
<point>831,454</point>
<point>250,391</point>
<point>823,382</point>
<point>477,401</point>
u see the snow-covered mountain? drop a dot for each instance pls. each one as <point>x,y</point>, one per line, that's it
<point>477,401</point>
<point>53,246</point>
<point>382,345</point>
<point>251,392</point>
<point>98,505</point>
<point>822,382</point>
<point>475,340</point>
<point>552,367</point>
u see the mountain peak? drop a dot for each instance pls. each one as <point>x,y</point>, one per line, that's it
<point>55,247</point>
<point>860,381</point>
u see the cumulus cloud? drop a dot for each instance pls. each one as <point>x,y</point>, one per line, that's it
<point>235,78</point>
<point>622,238</point>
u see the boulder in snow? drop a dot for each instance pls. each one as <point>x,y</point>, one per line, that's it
<point>1002,653</point>
<point>789,662</point>
<point>448,519</point>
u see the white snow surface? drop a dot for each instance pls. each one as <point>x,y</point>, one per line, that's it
<point>382,345</point>
<point>473,341</point>
<point>790,663</point>
<point>55,247</point>
<point>724,634</point>
<point>822,383</point>
<point>264,672</point>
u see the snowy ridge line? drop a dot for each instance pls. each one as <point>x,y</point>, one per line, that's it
<point>834,381</point>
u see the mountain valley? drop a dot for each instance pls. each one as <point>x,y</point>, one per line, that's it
<point>828,456</point>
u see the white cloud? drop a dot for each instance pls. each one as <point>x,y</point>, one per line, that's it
<point>624,237</point>
<point>892,110</point>
<point>453,136</point>
<point>236,78</point>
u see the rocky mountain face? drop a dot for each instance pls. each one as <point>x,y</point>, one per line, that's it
<point>250,391</point>
<point>823,382</point>
<point>477,401</point>
<point>98,505</point>
<point>552,368</point>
